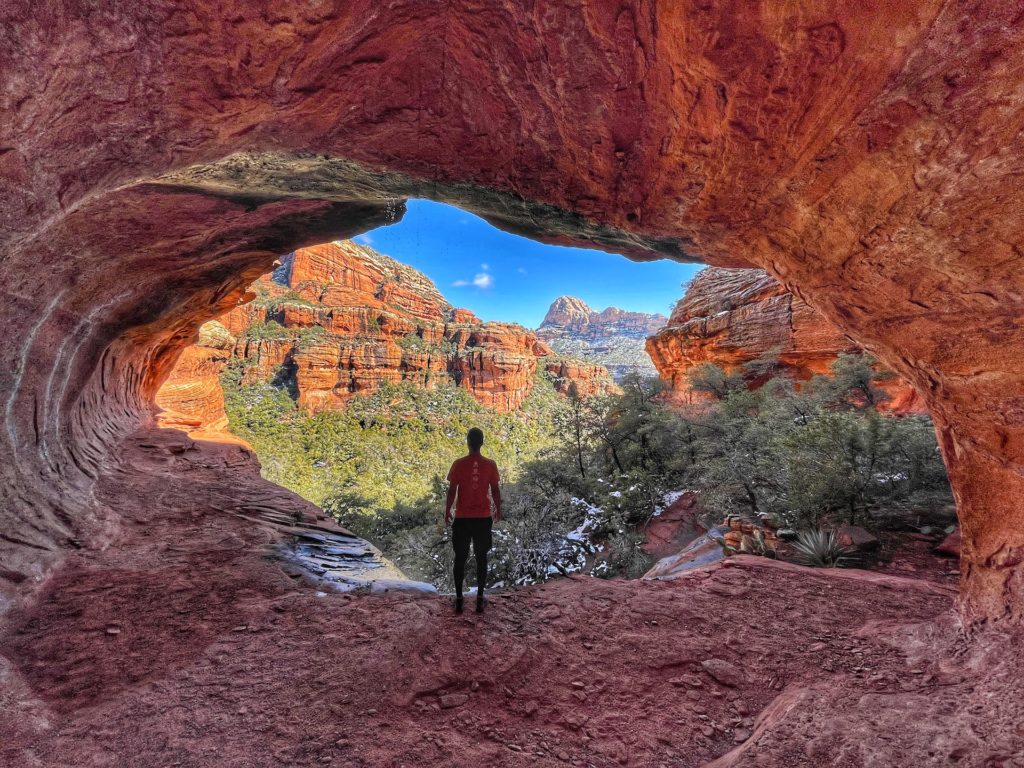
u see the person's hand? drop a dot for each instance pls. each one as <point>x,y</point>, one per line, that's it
<point>497,515</point>
<point>447,517</point>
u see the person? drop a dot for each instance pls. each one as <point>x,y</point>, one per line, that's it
<point>469,480</point>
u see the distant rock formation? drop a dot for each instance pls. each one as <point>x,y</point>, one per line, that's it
<point>339,319</point>
<point>730,317</point>
<point>613,338</point>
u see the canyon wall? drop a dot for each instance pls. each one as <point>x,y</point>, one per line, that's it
<point>338,320</point>
<point>157,157</point>
<point>733,318</point>
<point>612,337</point>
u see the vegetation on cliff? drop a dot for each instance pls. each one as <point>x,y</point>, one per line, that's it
<point>582,477</point>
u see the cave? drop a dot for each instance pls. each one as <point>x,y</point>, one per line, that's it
<point>158,158</point>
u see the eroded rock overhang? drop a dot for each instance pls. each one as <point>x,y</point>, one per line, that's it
<point>155,160</point>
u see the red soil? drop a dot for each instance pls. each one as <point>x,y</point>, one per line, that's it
<point>184,645</point>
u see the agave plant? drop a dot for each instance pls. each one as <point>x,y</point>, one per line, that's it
<point>821,549</point>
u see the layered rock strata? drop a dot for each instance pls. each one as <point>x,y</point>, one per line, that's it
<point>613,337</point>
<point>339,319</point>
<point>157,159</point>
<point>739,319</point>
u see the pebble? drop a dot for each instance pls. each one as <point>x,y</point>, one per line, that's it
<point>453,700</point>
<point>722,671</point>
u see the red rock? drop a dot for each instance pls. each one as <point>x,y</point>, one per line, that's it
<point>950,545</point>
<point>348,319</point>
<point>855,537</point>
<point>732,317</point>
<point>723,672</point>
<point>612,338</point>
<point>191,397</point>
<point>579,379</point>
<point>865,154</point>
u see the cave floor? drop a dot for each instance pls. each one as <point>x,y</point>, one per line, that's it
<point>183,644</point>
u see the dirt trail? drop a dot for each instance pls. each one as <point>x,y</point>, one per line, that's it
<point>183,645</point>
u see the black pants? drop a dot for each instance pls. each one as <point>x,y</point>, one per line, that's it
<point>464,531</point>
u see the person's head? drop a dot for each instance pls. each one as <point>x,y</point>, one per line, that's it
<point>475,439</point>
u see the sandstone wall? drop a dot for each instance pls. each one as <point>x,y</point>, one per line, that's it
<point>339,319</point>
<point>733,317</point>
<point>156,158</point>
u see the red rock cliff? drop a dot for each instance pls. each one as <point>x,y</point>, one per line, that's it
<point>338,320</point>
<point>729,317</point>
<point>613,337</point>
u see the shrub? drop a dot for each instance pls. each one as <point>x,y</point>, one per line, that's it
<point>307,337</point>
<point>821,549</point>
<point>713,380</point>
<point>270,330</point>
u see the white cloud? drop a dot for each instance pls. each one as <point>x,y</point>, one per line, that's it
<point>521,270</point>
<point>480,280</point>
<point>485,267</point>
<point>363,239</point>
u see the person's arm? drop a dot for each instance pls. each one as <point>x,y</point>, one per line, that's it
<point>453,487</point>
<point>496,494</point>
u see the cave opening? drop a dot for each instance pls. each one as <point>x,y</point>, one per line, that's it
<point>354,376</point>
<point>377,369</point>
<point>156,160</point>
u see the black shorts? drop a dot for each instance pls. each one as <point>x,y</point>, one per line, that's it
<point>475,529</point>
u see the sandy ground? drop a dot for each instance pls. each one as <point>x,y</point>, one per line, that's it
<point>183,644</point>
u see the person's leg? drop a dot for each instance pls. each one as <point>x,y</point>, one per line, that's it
<point>460,542</point>
<point>481,546</point>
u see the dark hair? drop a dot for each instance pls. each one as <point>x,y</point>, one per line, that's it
<point>475,438</point>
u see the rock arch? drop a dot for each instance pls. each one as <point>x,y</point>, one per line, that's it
<point>155,158</point>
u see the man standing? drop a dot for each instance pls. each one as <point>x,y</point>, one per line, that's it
<point>470,478</point>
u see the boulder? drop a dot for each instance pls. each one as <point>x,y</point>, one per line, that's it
<point>702,551</point>
<point>950,545</point>
<point>857,538</point>
<point>723,672</point>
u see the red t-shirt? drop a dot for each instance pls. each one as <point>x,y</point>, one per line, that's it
<point>473,475</point>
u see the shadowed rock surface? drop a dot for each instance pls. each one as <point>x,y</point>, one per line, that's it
<point>865,156</point>
<point>158,157</point>
<point>184,644</point>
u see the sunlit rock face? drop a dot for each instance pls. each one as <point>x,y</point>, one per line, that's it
<point>612,337</point>
<point>192,399</point>
<point>733,318</point>
<point>157,159</point>
<point>338,320</point>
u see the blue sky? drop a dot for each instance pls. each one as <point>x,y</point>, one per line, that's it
<point>500,276</point>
